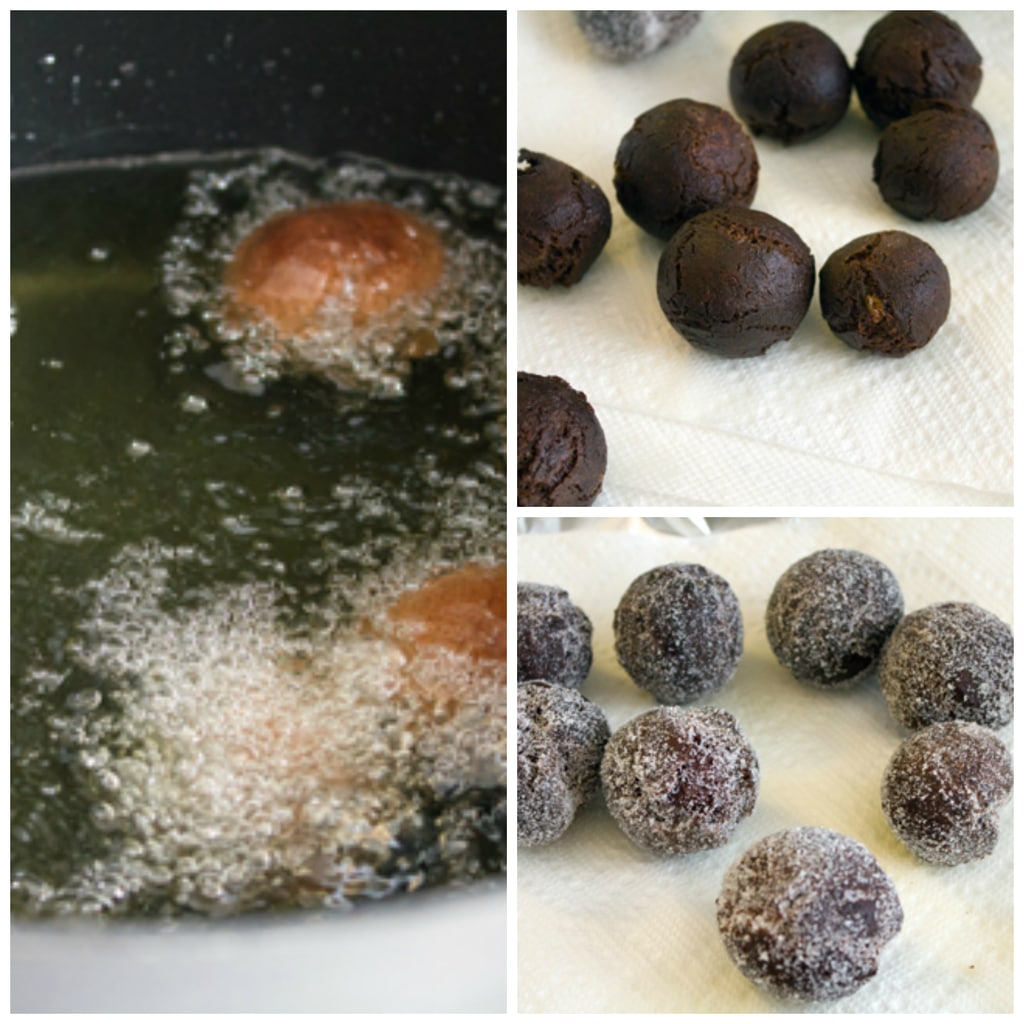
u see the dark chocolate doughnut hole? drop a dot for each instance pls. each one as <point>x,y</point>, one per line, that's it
<point>909,56</point>
<point>679,159</point>
<point>830,614</point>
<point>562,453</point>
<point>887,292</point>
<point>937,164</point>
<point>561,737</point>
<point>734,281</point>
<point>563,221</point>
<point>790,82</point>
<point>678,781</point>
<point>679,632</point>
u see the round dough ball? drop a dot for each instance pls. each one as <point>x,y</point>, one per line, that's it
<point>938,164</point>
<point>679,632</point>
<point>949,661</point>
<point>563,221</point>
<point>562,453</point>
<point>830,614</point>
<point>790,81</point>
<point>887,292</point>
<point>625,36</point>
<point>942,791</point>
<point>679,780</point>
<point>553,636</point>
<point>363,258</point>
<point>734,281</point>
<point>452,631</point>
<point>561,737</point>
<point>910,56</point>
<point>805,914</point>
<point>463,611</point>
<point>679,159</point>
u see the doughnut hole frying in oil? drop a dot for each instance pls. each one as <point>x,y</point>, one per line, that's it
<point>460,615</point>
<point>355,266</point>
<point>450,634</point>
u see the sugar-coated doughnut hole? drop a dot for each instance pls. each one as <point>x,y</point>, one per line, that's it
<point>560,738</point>
<point>680,780</point>
<point>949,661</point>
<point>553,636</point>
<point>805,914</point>
<point>943,789</point>
<point>679,632</point>
<point>830,614</point>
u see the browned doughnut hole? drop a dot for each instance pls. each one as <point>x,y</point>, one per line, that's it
<point>452,632</point>
<point>363,255</point>
<point>462,611</point>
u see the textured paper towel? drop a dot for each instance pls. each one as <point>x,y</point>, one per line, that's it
<point>606,927</point>
<point>812,422</point>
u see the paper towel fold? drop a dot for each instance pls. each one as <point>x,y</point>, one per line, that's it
<point>606,927</point>
<point>812,422</point>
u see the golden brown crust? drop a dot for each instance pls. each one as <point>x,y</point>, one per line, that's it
<point>462,611</point>
<point>363,255</point>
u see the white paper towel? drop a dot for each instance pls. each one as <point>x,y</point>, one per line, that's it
<point>606,927</point>
<point>812,422</point>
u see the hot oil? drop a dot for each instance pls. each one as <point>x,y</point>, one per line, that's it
<point>465,314</point>
<point>201,532</point>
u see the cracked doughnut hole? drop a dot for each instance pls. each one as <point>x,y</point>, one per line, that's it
<point>887,292</point>
<point>829,615</point>
<point>912,56</point>
<point>790,82</point>
<point>562,454</point>
<point>734,281</point>
<point>561,737</point>
<point>939,163</point>
<point>951,661</point>
<point>680,159</point>
<point>562,224</point>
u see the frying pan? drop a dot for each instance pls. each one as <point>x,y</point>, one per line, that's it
<point>425,91</point>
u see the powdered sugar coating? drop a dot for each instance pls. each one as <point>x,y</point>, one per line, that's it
<point>942,791</point>
<point>950,661</point>
<point>679,632</point>
<point>629,35</point>
<point>805,913</point>
<point>553,636</point>
<point>561,737</point>
<point>678,781</point>
<point>830,614</point>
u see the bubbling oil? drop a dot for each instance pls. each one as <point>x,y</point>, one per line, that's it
<point>206,521</point>
<point>235,762</point>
